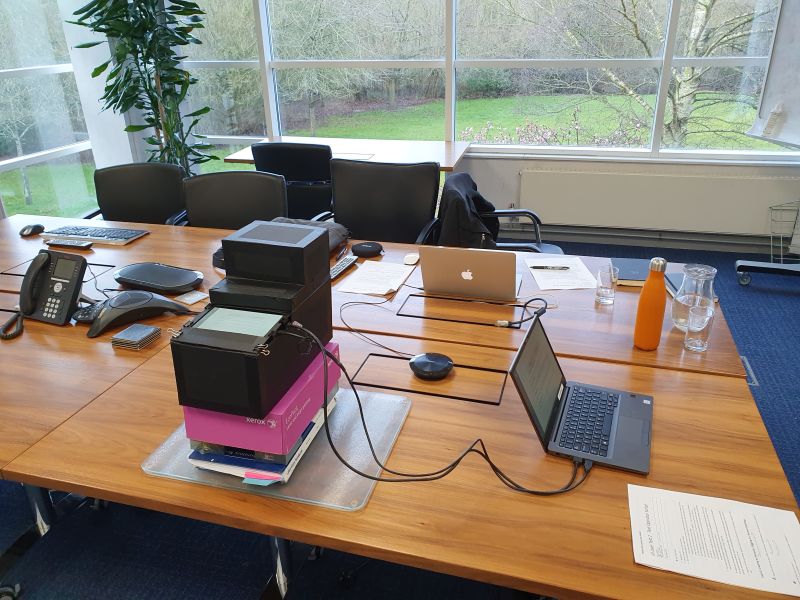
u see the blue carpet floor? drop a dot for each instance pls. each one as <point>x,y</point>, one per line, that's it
<point>15,514</point>
<point>128,553</point>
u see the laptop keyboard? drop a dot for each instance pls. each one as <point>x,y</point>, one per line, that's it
<point>588,421</point>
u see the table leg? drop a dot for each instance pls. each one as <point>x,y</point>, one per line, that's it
<point>278,585</point>
<point>44,513</point>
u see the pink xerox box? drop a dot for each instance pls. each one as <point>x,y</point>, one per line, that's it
<point>278,431</point>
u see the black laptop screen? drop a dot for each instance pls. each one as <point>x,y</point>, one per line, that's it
<point>538,379</point>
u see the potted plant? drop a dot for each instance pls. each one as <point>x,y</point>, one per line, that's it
<point>144,71</point>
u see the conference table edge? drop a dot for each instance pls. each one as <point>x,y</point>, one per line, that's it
<point>334,543</point>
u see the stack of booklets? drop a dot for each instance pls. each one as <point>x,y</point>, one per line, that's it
<point>253,467</point>
<point>265,451</point>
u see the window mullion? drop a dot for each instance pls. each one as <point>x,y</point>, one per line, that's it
<point>666,76</point>
<point>450,90</point>
<point>264,43</point>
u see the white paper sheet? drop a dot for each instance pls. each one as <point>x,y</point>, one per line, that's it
<point>712,538</point>
<point>577,277</point>
<point>375,278</point>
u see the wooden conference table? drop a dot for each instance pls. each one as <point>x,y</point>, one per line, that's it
<point>708,438</point>
<point>447,154</point>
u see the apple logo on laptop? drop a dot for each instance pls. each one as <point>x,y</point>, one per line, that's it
<point>467,275</point>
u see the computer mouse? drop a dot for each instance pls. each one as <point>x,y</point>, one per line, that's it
<point>32,229</point>
<point>431,366</point>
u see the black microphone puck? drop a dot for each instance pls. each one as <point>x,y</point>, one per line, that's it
<point>367,249</point>
<point>431,366</point>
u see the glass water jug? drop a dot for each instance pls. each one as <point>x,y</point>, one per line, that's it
<point>697,289</point>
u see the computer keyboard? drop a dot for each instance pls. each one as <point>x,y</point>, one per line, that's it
<point>342,265</point>
<point>588,421</point>
<point>100,235</point>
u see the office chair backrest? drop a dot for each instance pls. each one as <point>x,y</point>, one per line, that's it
<point>296,162</point>
<point>233,199</point>
<point>307,170</point>
<point>140,192</point>
<point>384,201</point>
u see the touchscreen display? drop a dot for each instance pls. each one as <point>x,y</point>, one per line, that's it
<point>246,322</point>
<point>64,268</point>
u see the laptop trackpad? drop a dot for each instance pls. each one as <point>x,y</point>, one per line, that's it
<point>633,431</point>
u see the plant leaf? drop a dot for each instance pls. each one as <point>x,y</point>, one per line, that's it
<point>88,45</point>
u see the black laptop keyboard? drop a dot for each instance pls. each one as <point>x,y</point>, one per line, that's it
<point>587,423</point>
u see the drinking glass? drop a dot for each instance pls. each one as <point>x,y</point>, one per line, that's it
<point>607,277</point>
<point>698,328</point>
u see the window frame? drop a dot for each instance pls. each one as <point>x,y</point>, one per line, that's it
<point>450,64</point>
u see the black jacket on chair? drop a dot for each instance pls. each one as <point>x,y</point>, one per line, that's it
<point>461,222</point>
<point>468,220</point>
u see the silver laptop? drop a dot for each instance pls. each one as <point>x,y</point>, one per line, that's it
<point>578,420</point>
<point>469,272</point>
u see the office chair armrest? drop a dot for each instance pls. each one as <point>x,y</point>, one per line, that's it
<point>179,219</point>
<point>519,212</point>
<point>92,214</point>
<point>520,246</point>
<point>429,233</point>
<point>323,216</point>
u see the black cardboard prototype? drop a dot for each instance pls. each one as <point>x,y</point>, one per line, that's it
<point>278,252</point>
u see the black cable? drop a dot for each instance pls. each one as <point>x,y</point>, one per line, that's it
<point>478,447</point>
<point>16,320</point>
<point>94,281</point>
<point>362,335</point>
<point>537,313</point>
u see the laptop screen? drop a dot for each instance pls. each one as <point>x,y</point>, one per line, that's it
<point>538,379</point>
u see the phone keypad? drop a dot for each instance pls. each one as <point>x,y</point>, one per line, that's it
<point>52,307</point>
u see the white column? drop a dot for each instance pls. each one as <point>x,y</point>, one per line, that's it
<point>111,145</point>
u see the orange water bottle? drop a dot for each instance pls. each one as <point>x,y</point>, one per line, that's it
<point>650,314</point>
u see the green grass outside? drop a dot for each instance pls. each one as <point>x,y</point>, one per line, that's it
<point>596,118</point>
<point>66,188</point>
<point>61,188</point>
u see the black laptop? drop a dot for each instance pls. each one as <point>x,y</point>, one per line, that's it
<point>604,425</point>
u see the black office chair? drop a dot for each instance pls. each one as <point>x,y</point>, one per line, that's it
<point>232,199</point>
<point>385,201</point>
<point>140,192</point>
<point>466,219</point>
<point>307,170</point>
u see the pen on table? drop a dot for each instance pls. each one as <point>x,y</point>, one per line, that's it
<point>342,252</point>
<point>550,267</point>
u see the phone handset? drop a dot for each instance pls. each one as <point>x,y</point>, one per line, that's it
<point>31,282</point>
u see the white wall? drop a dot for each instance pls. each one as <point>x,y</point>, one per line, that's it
<point>725,199</point>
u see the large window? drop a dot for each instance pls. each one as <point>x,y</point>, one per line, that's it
<point>643,76</point>
<point>654,78</point>
<point>46,165</point>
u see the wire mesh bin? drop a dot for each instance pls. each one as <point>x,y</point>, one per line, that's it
<point>784,238</point>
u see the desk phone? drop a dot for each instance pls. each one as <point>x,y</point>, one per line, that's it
<point>51,287</point>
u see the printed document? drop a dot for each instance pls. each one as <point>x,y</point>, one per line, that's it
<point>576,277</point>
<point>376,278</point>
<point>712,538</point>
